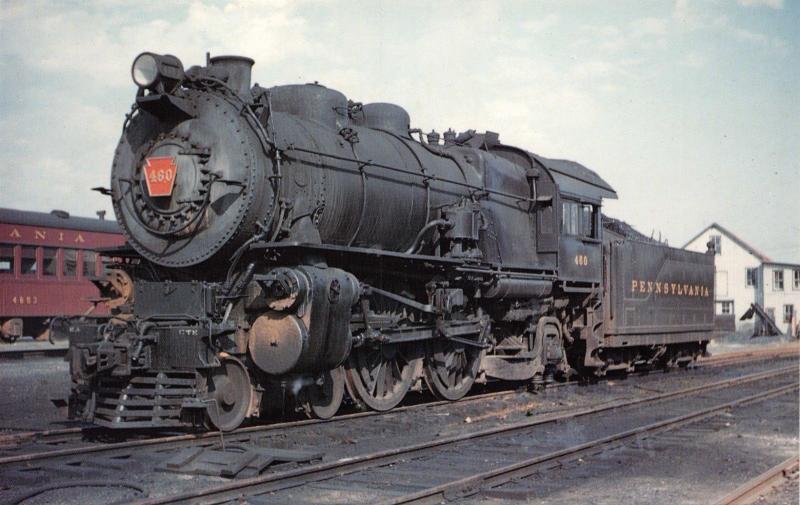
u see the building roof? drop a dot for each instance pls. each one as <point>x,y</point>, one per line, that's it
<point>744,245</point>
<point>781,264</point>
<point>58,219</point>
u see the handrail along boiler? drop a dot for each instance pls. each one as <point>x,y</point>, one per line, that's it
<point>294,245</point>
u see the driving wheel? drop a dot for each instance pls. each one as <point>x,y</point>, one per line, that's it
<point>379,376</point>
<point>451,368</point>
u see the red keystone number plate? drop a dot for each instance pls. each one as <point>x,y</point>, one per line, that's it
<point>160,172</point>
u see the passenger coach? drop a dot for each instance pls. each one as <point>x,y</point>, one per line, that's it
<point>46,263</point>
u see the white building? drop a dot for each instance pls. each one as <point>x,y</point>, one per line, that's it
<point>743,276</point>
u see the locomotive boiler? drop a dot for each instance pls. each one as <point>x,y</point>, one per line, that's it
<point>288,244</point>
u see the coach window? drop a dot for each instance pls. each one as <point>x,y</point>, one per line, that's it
<point>6,259</point>
<point>49,261</point>
<point>28,260</point>
<point>89,263</point>
<point>70,263</point>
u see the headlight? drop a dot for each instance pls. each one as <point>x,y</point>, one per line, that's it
<point>145,70</point>
<point>161,72</point>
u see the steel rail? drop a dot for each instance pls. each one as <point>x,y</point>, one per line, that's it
<point>313,473</point>
<point>18,354</point>
<point>486,480</point>
<point>79,433</point>
<point>210,436</point>
<point>749,491</point>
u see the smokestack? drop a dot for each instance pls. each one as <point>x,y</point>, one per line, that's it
<point>101,214</point>
<point>238,69</point>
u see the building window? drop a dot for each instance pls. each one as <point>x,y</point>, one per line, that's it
<point>777,280</point>
<point>49,261</point>
<point>726,308</point>
<point>796,279</point>
<point>771,313</point>
<point>28,260</point>
<point>70,263</point>
<point>788,312</point>
<point>6,259</point>
<point>717,241</point>
<point>751,277</point>
<point>89,263</point>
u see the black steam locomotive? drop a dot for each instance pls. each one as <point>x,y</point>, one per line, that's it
<point>287,244</point>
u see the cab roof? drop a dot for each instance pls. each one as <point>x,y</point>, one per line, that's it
<point>576,180</point>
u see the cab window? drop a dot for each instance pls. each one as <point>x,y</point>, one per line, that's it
<point>587,220</point>
<point>578,219</point>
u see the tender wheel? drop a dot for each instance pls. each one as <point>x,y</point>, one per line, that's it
<point>229,395</point>
<point>325,399</point>
<point>380,376</point>
<point>451,368</point>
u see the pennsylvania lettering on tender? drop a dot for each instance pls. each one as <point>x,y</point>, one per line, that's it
<point>669,288</point>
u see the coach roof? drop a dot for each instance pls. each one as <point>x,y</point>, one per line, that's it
<point>57,219</point>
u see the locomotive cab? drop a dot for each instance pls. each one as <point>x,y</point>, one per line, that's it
<point>581,244</point>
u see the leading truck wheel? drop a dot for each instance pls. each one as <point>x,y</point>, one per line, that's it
<point>229,395</point>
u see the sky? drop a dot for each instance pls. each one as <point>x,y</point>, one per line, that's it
<point>689,109</point>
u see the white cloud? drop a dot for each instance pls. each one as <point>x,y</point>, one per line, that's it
<point>649,26</point>
<point>773,4</point>
<point>593,90</point>
<point>694,60</point>
<point>539,25</point>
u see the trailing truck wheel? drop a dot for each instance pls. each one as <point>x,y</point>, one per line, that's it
<point>451,368</point>
<point>380,376</point>
<point>229,395</point>
<point>325,399</point>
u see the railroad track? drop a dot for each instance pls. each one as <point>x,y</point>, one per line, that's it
<point>95,456</point>
<point>752,489</point>
<point>54,437</point>
<point>48,439</point>
<point>753,354</point>
<point>368,478</point>
<point>51,441</point>
<point>12,354</point>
